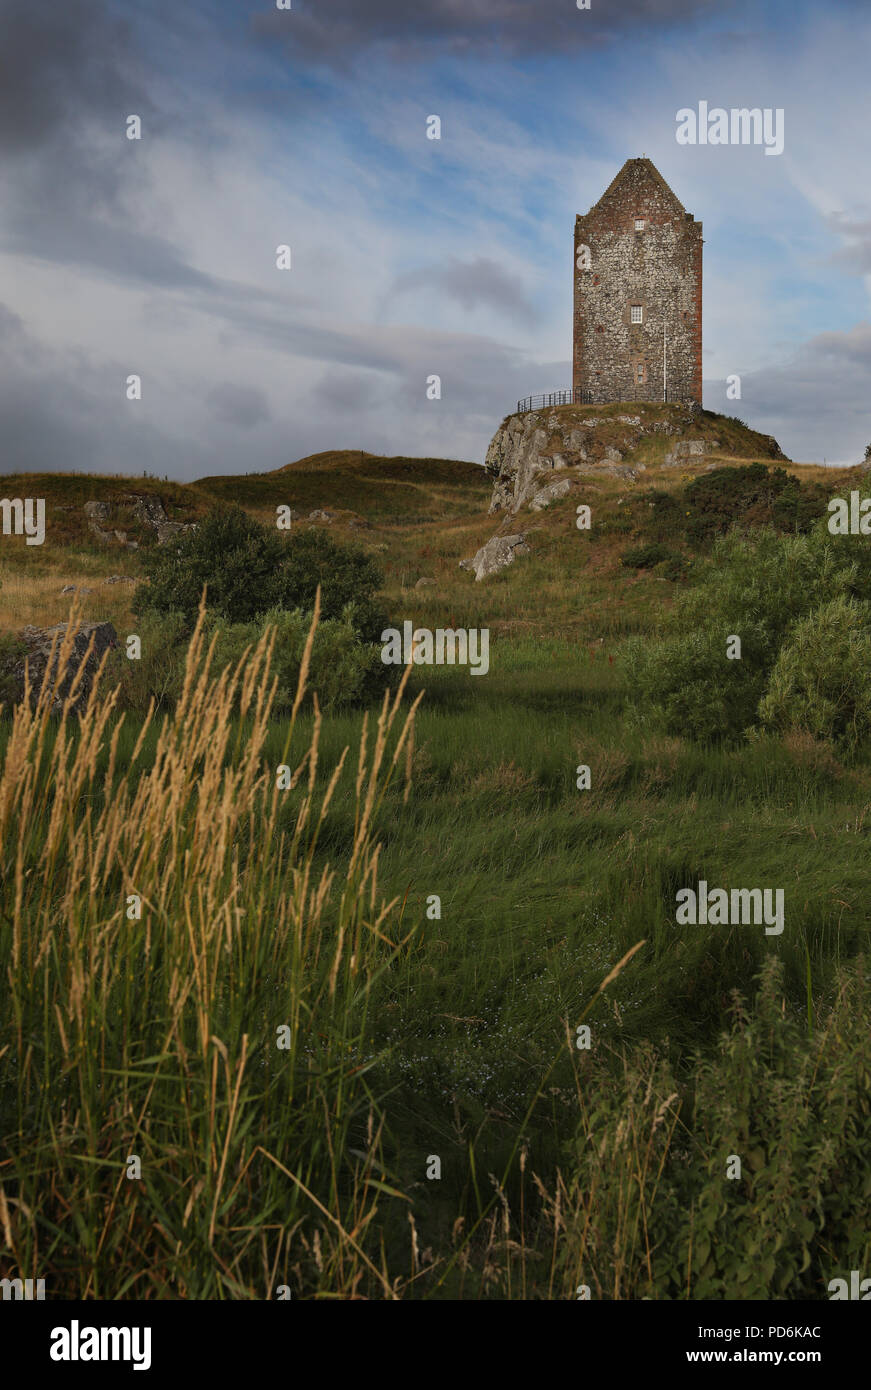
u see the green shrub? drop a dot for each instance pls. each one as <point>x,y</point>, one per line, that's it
<point>232,554</point>
<point>645,556</point>
<point>345,670</point>
<point>650,1210</point>
<point>753,495</point>
<point>821,681</point>
<point>159,672</point>
<point>755,587</point>
<point>675,568</point>
<point>718,499</point>
<point>249,569</point>
<point>686,683</point>
<point>349,579</point>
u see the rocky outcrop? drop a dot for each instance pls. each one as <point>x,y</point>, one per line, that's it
<point>691,448</point>
<point>498,552</point>
<point>89,642</point>
<point>147,511</point>
<point>528,449</point>
<point>170,530</point>
<point>550,494</point>
<point>150,511</point>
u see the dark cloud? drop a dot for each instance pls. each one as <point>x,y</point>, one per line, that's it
<point>817,405</point>
<point>61,66</point>
<point>63,413</point>
<point>242,406</point>
<point>69,77</point>
<point>346,392</point>
<point>338,30</point>
<point>472,283</point>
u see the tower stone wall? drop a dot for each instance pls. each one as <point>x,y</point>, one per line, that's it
<point>638,294</point>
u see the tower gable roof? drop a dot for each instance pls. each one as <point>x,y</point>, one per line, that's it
<point>647,169</point>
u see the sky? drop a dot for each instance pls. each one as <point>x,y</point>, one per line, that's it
<point>409,257</point>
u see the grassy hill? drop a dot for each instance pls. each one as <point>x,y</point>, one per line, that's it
<point>458,1040</point>
<point>386,491</point>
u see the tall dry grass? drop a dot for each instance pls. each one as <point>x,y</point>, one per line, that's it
<point>157,1037</point>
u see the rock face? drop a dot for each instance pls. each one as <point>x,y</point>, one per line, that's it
<point>148,511</point>
<point>498,552</point>
<point>527,450</point>
<point>168,531</point>
<point>550,494</point>
<point>39,642</point>
<point>691,448</point>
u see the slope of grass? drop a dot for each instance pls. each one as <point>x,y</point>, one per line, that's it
<point>421,1032</point>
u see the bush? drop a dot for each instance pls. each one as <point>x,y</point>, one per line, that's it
<point>159,672</point>
<point>650,1211</point>
<point>642,557</point>
<point>716,499</point>
<point>821,681</point>
<point>232,554</point>
<point>755,495</point>
<point>344,670</point>
<point>754,587</point>
<point>349,578</point>
<point>249,569</point>
<point>687,684</point>
<point>675,568</point>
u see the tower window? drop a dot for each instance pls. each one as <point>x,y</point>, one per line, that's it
<point>640,374</point>
<point>639,224</point>
<point>636,314</point>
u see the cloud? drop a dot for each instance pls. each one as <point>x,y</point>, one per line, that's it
<point>242,406</point>
<point>816,404</point>
<point>59,69</point>
<point>856,255</point>
<point>472,283</point>
<point>341,30</point>
<point>67,413</point>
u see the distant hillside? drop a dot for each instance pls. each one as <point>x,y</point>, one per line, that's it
<point>66,494</point>
<point>387,489</point>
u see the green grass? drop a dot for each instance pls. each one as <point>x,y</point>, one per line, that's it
<point>453,1041</point>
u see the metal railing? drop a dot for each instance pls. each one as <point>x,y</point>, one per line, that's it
<point>554,398</point>
<point>679,394</point>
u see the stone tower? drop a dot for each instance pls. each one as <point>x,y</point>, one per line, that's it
<point>638,294</point>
